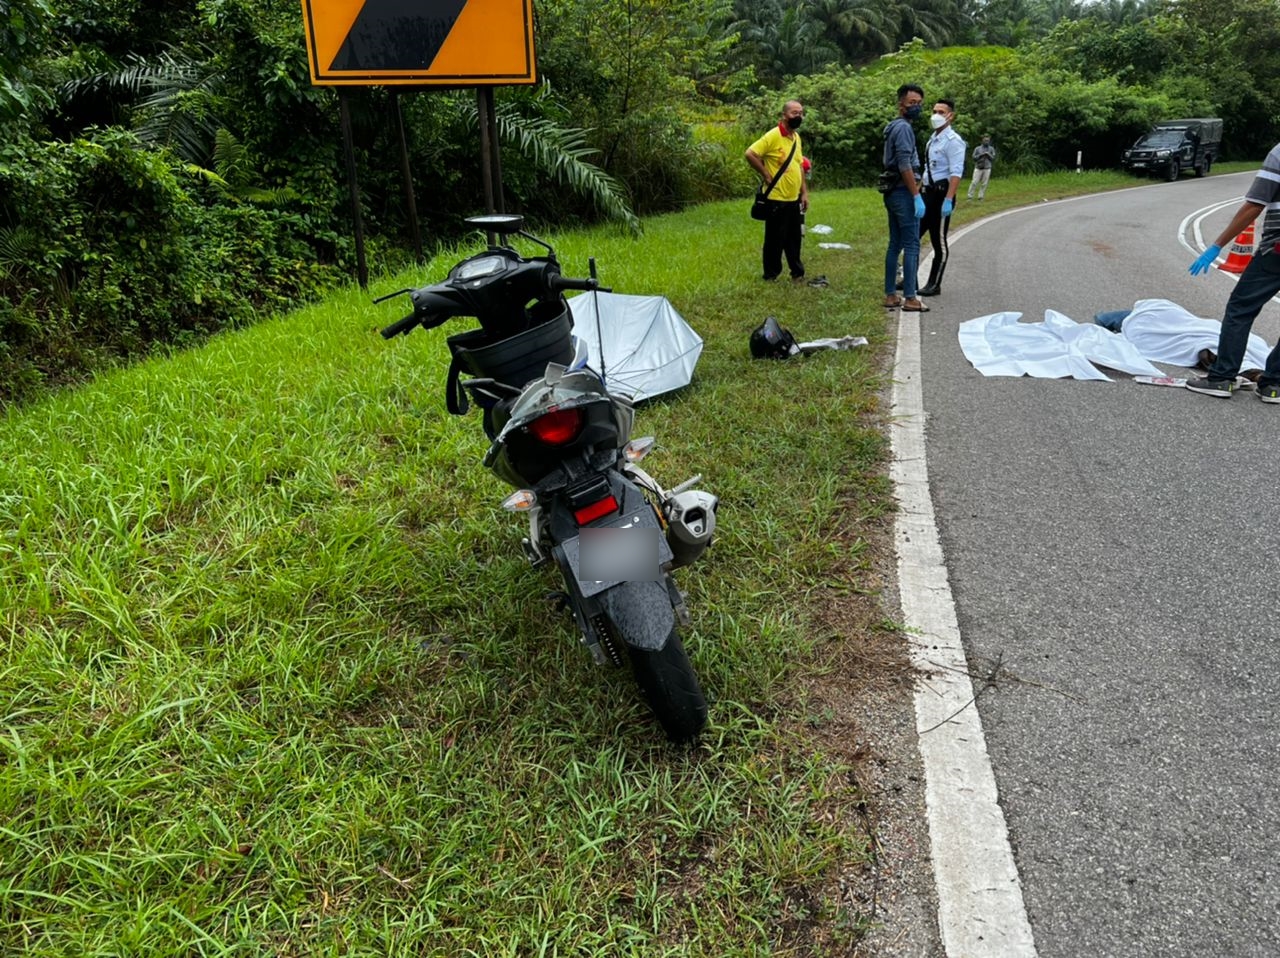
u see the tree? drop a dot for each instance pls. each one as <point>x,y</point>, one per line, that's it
<point>24,33</point>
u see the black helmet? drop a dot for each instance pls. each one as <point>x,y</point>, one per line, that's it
<point>771,341</point>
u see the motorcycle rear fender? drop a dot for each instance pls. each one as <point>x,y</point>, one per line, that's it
<point>641,612</point>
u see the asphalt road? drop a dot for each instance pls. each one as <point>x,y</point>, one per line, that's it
<point>1113,551</point>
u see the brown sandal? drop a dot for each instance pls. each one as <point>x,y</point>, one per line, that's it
<point>892,302</point>
<point>914,306</point>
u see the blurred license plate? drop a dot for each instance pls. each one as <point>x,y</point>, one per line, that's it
<point>629,549</point>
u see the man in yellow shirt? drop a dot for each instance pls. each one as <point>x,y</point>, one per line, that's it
<point>789,197</point>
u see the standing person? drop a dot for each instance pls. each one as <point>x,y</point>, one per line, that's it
<point>903,201</point>
<point>780,148</point>
<point>1257,284</point>
<point>984,155</point>
<point>943,170</point>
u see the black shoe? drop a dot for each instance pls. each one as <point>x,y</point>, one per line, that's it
<point>1220,388</point>
<point>933,289</point>
<point>1269,394</point>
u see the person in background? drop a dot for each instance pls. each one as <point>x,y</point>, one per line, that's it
<point>984,154</point>
<point>943,170</point>
<point>1257,284</point>
<point>789,198</point>
<point>903,202</point>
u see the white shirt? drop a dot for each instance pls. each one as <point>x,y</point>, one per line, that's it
<point>946,154</point>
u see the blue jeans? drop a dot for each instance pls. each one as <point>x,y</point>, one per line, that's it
<point>1112,319</point>
<point>904,238</point>
<point>1257,284</point>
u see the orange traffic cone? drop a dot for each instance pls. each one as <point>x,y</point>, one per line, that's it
<point>1241,252</point>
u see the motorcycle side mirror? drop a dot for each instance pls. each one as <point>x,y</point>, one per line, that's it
<point>399,292</point>
<point>501,223</point>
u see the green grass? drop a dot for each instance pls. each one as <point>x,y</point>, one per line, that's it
<point>277,681</point>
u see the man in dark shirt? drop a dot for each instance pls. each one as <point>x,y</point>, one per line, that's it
<point>903,202</point>
<point>1257,284</point>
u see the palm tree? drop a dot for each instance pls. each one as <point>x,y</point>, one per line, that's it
<point>861,28</point>
<point>559,152</point>
<point>173,98</point>
<point>937,23</point>
<point>1117,12</point>
<point>788,40</point>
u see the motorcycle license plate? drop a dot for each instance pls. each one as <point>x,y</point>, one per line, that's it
<point>622,549</point>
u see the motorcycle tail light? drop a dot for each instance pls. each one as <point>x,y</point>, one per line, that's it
<point>592,512</point>
<point>558,427</point>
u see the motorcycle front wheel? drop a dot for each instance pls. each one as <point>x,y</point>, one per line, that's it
<point>670,688</point>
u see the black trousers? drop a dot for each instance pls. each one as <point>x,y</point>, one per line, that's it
<point>782,236</point>
<point>936,226</point>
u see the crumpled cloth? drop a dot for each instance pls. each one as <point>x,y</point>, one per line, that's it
<point>1059,347</point>
<point>1164,332</point>
<point>841,342</point>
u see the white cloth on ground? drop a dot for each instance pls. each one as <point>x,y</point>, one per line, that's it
<point>999,345</point>
<point>1164,332</point>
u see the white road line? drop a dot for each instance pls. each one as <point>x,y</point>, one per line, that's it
<point>980,908</point>
<point>1195,218</point>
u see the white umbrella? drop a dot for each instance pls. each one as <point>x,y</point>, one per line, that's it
<point>641,344</point>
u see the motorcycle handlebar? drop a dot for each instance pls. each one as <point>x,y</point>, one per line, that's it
<point>402,327</point>
<point>561,283</point>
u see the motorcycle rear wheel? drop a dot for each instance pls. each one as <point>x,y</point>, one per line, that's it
<point>670,687</point>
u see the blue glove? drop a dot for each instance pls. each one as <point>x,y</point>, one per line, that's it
<point>919,206</point>
<point>947,207</point>
<point>1205,261</point>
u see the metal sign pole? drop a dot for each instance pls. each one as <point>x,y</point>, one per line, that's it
<point>486,150</point>
<point>495,145</point>
<point>411,202</point>
<point>362,269</point>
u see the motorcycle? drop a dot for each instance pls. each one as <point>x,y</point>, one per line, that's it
<point>563,441</point>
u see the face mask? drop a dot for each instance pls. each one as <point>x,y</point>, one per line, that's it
<point>938,121</point>
<point>913,111</point>
<point>794,122</point>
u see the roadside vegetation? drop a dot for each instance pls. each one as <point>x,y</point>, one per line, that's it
<point>276,679</point>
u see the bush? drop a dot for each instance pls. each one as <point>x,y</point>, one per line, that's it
<point>106,250</point>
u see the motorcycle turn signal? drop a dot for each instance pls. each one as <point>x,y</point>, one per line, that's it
<point>637,449</point>
<point>522,500</point>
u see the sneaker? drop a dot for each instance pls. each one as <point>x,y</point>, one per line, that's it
<point>1269,394</point>
<point>1222,388</point>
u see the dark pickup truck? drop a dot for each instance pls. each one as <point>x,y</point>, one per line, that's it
<point>1172,146</point>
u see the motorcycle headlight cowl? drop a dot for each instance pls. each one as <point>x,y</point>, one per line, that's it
<point>478,267</point>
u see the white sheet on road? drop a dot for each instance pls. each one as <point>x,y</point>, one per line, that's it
<point>999,345</point>
<point>1164,332</point>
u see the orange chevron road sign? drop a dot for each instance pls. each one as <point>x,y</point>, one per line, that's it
<point>443,42</point>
